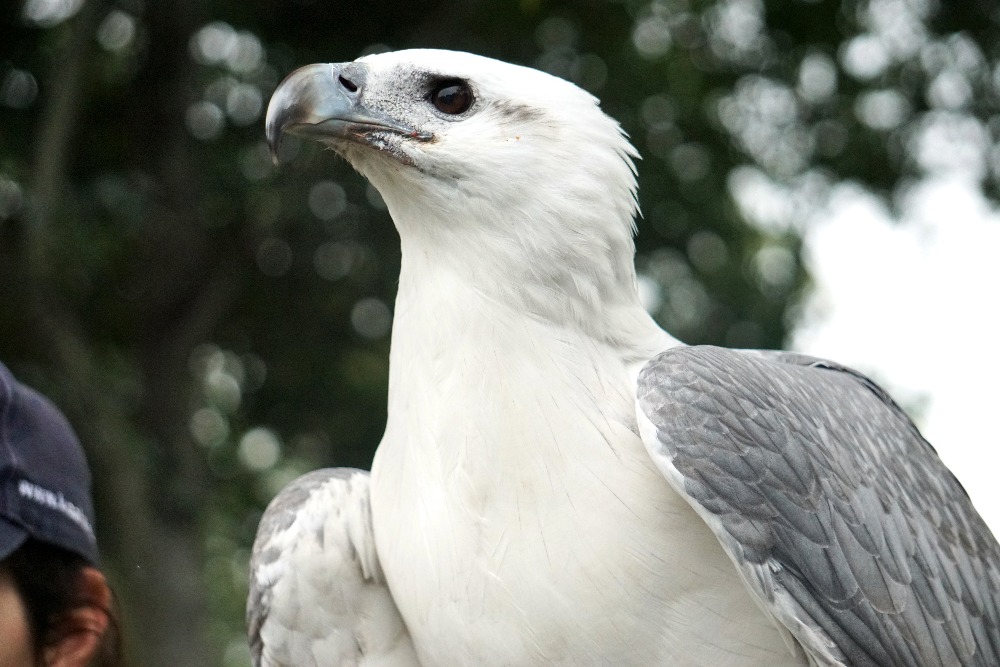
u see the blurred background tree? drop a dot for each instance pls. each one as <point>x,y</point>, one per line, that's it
<point>214,327</point>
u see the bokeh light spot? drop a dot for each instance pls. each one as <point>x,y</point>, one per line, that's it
<point>116,31</point>
<point>212,43</point>
<point>687,302</point>
<point>707,251</point>
<point>371,318</point>
<point>11,198</point>
<point>650,293</point>
<point>882,109</point>
<point>817,77</point>
<point>651,37</point>
<point>334,260</point>
<point>48,13</point>
<point>204,120</point>
<point>949,90</point>
<point>208,427</point>
<point>255,162</point>
<point>244,104</point>
<point>864,57</point>
<point>18,89</point>
<point>245,53</point>
<point>259,449</point>
<point>657,111</point>
<point>691,162</point>
<point>327,200</point>
<point>775,268</point>
<point>735,29</point>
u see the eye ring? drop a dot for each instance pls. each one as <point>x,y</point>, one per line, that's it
<point>452,97</point>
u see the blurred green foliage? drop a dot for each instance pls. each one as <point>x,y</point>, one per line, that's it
<point>215,327</point>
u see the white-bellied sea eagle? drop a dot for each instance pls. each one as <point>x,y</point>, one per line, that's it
<point>560,481</point>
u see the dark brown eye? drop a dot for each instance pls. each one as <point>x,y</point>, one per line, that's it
<point>451,97</point>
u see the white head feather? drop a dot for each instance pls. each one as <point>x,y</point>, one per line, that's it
<point>529,195</point>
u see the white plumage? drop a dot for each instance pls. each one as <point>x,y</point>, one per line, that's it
<point>318,595</point>
<point>518,515</point>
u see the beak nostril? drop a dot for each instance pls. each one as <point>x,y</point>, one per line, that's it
<point>347,83</point>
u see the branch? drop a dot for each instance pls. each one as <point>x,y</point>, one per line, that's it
<point>59,119</point>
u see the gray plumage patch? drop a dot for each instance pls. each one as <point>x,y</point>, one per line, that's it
<point>279,516</point>
<point>517,114</point>
<point>839,515</point>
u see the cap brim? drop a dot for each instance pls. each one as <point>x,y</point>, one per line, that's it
<point>12,537</point>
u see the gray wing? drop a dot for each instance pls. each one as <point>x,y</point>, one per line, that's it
<point>317,593</point>
<point>840,517</point>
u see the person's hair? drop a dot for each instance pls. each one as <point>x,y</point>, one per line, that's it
<point>49,582</point>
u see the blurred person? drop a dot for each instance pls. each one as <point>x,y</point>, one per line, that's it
<point>56,609</point>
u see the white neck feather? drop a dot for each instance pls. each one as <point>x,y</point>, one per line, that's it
<point>469,316</point>
<point>528,257</point>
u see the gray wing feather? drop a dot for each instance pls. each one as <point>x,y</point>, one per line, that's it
<point>317,593</point>
<point>841,518</point>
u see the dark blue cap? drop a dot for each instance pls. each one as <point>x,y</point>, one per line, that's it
<point>44,478</point>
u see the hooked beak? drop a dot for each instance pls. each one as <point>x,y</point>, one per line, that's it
<point>323,102</point>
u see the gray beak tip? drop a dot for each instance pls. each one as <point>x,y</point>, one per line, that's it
<point>274,146</point>
<point>277,121</point>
